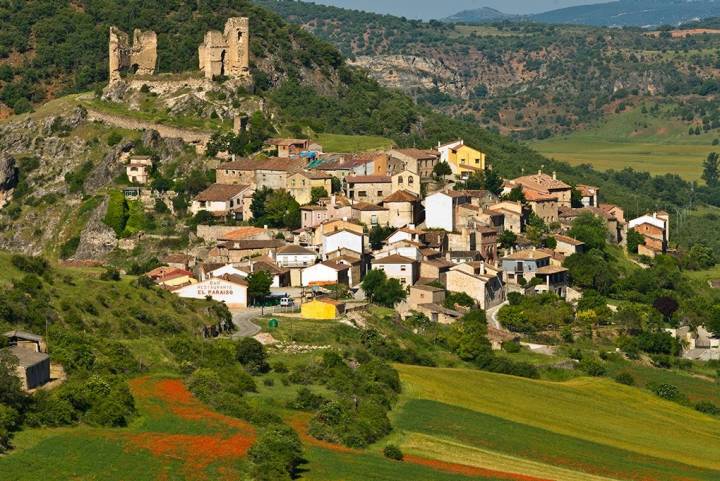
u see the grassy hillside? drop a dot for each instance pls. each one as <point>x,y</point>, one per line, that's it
<point>654,143</point>
<point>575,413</point>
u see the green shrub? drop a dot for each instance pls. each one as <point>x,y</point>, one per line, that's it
<point>511,347</point>
<point>592,367</point>
<point>251,354</point>
<point>708,408</point>
<point>30,264</point>
<point>393,452</point>
<point>69,248</point>
<point>114,138</point>
<point>117,215</point>
<point>669,392</point>
<point>625,378</point>
<point>276,454</point>
<point>306,400</point>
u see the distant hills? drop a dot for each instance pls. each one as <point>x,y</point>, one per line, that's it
<point>622,13</point>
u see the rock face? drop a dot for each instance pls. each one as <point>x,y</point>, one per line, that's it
<point>97,239</point>
<point>8,172</point>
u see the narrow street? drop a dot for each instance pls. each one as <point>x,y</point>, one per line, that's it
<point>491,315</point>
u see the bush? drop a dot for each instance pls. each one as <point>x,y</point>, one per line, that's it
<point>251,354</point>
<point>110,274</point>
<point>276,454</point>
<point>511,347</point>
<point>667,391</point>
<point>31,265</point>
<point>306,400</point>
<point>393,452</point>
<point>625,378</point>
<point>114,138</point>
<point>707,407</point>
<point>592,367</point>
<point>69,248</point>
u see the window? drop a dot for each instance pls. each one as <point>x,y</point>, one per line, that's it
<point>373,219</point>
<point>400,180</point>
<point>380,193</point>
<point>362,193</point>
<point>403,268</point>
<point>462,161</point>
<point>403,281</point>
<point>411,180</point>
<point>477,161</point>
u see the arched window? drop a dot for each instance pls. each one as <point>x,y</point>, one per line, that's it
<point>411,180</point>
<point>400,180</point>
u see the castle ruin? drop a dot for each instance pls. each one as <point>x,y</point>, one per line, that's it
<point>227,53</point>
<point>139,58</point>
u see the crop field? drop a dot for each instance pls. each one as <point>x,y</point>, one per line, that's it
<point>625,426</point>
<point>632,139</point>
<point>469,437</point>
<point>352,143</point>
<point>176,437</point>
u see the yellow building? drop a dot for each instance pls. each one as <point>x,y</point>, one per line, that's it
<point>462,158</point>
<point>322,308</point>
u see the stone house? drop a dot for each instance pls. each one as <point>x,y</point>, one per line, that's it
<point>356,265</point>
<point>542,186</point>
<point>221,200</point>
<point>545,206</point>
<point>368,188</point>
<point>615,229</point>
<point>421,162</point>
<point>335,207</point>
<point>138,169</point>
<point>406,180</point>
<point>171,277</point>
<point>238,251</point>
<point>554,279</point>
<point>568,246</point>
<point>404,208</point>
<point>421,294</point>
<point>370,214</point>
<point>655,229</point>
<point>289,147</point>
<point>33,367</point>
<point>523,264</point>
<point>398,267</point>
<point>484,286</point>
<point>301,184</point>
<point>435,268</point>
<point>588,195</point>
<point>514,215</point>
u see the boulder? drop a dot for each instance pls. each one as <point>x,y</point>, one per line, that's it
<point>8,172</point>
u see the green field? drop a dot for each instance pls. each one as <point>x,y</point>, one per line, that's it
<point>352,143</point>
<point>644,142</point>
<point>619,431</point>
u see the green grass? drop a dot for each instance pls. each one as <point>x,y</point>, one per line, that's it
<point>594,410</point>
<point>656,144</point>
<point>470,437</point>
<point>352,143</point>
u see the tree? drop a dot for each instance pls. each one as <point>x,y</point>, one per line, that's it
<point>591,230</point>
<point>251,354</point>
<point>493,182</point>
<point>515,195</point>
<point>116,215</point>
<point>634,240</point>
<point>575,198</point>
<point>259,198</point>
<point>700,257</point>
<point>391,293</point>
<point>507,239</point>
<point>667,306</point>
<point>336,185</point>
<point>711,169</point>
<point>317,193</point>
<point>378,235</point>
<point>441,169</point>
<point>475,181</point>
<point>275,208</point>
<point>259,285</point>
<point>276,454</point>
<point>470,336</point>
<point>373,283</point>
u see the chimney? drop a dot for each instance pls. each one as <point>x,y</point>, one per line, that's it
<point>345,219</point>
<point>265,227</point>
<point>332,200</point>
<point>482,268</point>
<point>539,171</point>
<point>554,175</point>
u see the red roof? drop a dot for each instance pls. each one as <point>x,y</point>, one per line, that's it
<point>368,179</point>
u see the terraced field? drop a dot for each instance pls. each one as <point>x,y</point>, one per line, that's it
<point>632,139</point>
<point>584,429</point>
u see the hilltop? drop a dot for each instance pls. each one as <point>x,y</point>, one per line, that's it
<point>528,80</point>
<point>622,13</point>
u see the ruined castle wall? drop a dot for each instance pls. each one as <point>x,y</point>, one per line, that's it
<point>226,53</point>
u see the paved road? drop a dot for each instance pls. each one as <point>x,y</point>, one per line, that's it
<point>243,322</point>
<point>491,314</point>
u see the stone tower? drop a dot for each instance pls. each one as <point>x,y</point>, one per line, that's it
<point>226,53</point>
<point>140,58</point>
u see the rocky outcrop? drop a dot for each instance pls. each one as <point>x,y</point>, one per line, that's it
<point>97,239</point>
<point>108,169</point>
<point>8,177</point>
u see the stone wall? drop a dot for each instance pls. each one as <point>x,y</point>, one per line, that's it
<point>139,58</point>
<point>211,233</point>
<point>226,53</point>
<point>198,138</point>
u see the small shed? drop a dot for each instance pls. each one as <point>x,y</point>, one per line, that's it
<point>322,308</point>
<point>33,367</point>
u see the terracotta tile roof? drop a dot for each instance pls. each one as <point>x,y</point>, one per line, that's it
<point>550,270</point>
<point>439,263</point>
<point>394,259</point>
<point>540,182</point>
<point>527,255</point>
<point>248,244</point>
<point>427,288</point>
<point>568,240</point>
<point>267,265</point>
<point>367,206</point>
<point>587,190</point>
<point>334,265</point>
<point>418,154</point>
<point>535,196</point>
<point>242,233</point>
<point>314,175</point>
<point>220,192</point>
<point>272,163</point>
<point>401,196</point>
<point>286,142</point>
<point>292,249</point>
<point>235,279</point>
<point>440,309</point>
<point>368,179</point>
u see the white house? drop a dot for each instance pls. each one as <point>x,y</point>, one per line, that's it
<point>342,239</point>
<point>398,267</point>
<point>440,209</point>
<point>231,290</point>
<point>444,150</point>
<point>295,256</point>
<point>220,199</point>
<point>408,233</point>
<point>226,270</point>
<point>325,273</point>
<point>409,251</point>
